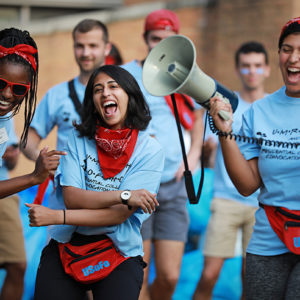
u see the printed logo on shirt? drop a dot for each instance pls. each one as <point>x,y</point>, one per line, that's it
<point>92,269</point>
<point>3,135</point>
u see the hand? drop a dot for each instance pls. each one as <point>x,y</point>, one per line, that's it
<point>11,156</point>
<point>143,199</point>
<point>42,216</point>
<point>217,104</point>
<point>46,164</point>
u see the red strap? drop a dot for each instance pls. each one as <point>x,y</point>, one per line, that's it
<point>42,189</point>
<point>185,107</point>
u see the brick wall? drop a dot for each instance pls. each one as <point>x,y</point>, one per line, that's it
<point>216,31</point>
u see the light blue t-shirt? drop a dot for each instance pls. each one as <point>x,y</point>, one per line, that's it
<point>275,117</point>
<point>80,168</point>
<point>162,126</point>
<point>5,135</point>
<point>12,139</point>
<point>57,109</point>
<point>223,186</point>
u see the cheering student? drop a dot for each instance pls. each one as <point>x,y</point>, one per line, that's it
<point>18,84</point>
<point>108,183</point>
<point>271,165</point>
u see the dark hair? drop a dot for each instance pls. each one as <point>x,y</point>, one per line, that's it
<point>138,113</point>
<point>9,38</point>
<point>250,47</point>
<point>87,25</point>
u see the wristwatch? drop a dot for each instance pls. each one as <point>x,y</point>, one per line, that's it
<point>125,196</point>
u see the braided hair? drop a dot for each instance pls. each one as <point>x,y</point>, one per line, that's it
<point>9,38</point>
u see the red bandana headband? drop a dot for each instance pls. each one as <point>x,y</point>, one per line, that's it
<point>23,50</point>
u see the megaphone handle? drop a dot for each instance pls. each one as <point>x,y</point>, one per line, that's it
<point>222,113</point>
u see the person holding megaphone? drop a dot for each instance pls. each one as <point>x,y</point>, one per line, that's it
<point>168,225</point>
<point>269,162</point>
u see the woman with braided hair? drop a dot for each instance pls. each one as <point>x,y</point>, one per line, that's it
<point>18,84</point>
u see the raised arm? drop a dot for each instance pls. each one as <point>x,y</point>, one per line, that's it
<point>46,162</point>
<point>243,173</point>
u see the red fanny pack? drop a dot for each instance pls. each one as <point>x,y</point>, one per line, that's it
<point>89,258</point>
<point>286,224</point>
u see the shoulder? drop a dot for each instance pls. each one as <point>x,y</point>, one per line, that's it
<point>148,146</point>
<point>133,67</point>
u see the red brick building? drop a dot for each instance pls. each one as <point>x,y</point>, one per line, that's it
<point>217,27</point>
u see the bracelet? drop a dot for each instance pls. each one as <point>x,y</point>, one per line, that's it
<point>64,216</point>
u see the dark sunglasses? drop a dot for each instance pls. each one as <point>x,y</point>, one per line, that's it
<point>18,89</point>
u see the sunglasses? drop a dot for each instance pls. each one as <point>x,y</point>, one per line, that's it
<point>18,89</point>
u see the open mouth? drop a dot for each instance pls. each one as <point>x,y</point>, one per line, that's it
<point>293,74</point>
<point>110,108</point>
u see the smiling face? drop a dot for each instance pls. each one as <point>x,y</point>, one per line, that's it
<point>90,49</point>
<point>110,101</point>
<point>289,62</point>
<point>14,73</point>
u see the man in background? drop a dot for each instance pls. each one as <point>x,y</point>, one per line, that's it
<point>166,229</point>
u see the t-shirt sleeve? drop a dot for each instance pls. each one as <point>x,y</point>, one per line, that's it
<point>145,175</point>
<point>249,150</point>
<point>69,172</point>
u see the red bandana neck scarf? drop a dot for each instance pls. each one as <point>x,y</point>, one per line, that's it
<point>185,107</point>
<point>23,50</point>
<point>114,148</point>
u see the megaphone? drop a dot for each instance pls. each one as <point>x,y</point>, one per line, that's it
<point>171,68</point>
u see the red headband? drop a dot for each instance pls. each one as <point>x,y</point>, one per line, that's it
<point>23,50</point>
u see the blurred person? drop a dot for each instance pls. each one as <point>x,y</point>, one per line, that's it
<point>114,57</point>
<point>166,230</point>
<point>232,213</point>
<point>104,192</point>
<point>269,162</point>
<point>18,85</point>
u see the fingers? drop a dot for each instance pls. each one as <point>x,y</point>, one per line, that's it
<point>148,201</point>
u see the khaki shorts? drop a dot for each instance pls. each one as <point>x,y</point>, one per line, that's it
<point>227,218</point>
<point>12,247</point>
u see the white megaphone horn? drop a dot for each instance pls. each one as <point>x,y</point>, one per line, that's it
<point>171,68</point>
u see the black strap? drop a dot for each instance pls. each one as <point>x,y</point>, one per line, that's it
<point>187,173</point>
<point>74,97</point>
<point>187,103</point>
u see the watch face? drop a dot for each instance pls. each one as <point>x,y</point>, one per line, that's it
<point>125,195</point>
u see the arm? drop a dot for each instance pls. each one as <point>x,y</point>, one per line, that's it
<point>42,216</point>
<point>243,173</point>
<point>31,151</point>
<point>194,153</point>
<point>93,200</point>
<point>46,162</point>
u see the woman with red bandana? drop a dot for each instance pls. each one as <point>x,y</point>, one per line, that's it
<point>272,166</point>
<point>107,182</point>
<point>18,85</point>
